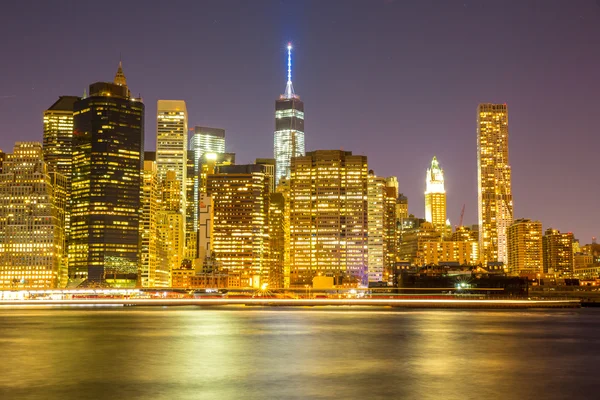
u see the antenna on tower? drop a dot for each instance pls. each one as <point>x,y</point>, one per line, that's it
<point>289,89</point>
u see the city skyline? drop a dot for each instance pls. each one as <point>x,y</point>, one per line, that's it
<point>540,155</point>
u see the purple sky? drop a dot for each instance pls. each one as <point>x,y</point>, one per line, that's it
<point>398,81</point>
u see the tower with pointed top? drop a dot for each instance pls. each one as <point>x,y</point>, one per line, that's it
<point>435,196</point>
<point>108,141</point>
<point>289,126</point>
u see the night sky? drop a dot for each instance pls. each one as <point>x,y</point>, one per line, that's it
<point>398,81</point>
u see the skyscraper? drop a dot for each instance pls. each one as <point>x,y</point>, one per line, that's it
<point>289,126</point>
<point>31,221</point>
<point>203,140</point>
<point>150,203</point>
<point>376,225</point>
<point>525,254</point>
<point>558,251</point>
<point>328,211</point>
<point>240,229</point>
<point>58,145</point>
<point>207,140</point>
<point>171,142</point>
<point>435,196</point>
<point>495,201</point>
<point>108,141</point>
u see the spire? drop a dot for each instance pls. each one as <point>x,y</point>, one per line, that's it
<point>289,89</point>
<point>120,76</point>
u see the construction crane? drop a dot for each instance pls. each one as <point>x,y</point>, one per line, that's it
<point>462,214</point>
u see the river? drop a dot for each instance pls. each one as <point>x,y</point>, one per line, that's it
<point>304,353</point>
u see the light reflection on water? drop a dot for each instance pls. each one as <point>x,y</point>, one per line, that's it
<point>220,353</point>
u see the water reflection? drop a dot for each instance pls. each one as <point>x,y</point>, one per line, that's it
<point>216,353</point>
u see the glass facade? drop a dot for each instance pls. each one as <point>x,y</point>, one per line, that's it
<point>289,134</point>
<point>108,142</point>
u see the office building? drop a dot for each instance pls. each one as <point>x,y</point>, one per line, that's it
<point>495,203</point>
<point>328,193</point>
<point>171,142</point>
<point>277,234</point>
<point>525,254</point>
<point>240,228</point>
<point>558,252</point>
<point>375,229</point>
<point>108,134</point>
<point>289,126</point>
<point>435,196</point>
<point>269,164</point>
<point>58,146</point>
<point>31,221</point>
<point>203,140</point>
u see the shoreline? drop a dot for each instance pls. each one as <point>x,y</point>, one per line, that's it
<point>274,302</point>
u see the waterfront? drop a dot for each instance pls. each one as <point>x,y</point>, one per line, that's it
<point>241,353</point>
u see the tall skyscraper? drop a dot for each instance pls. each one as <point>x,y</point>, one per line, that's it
<point>151,198</point>
<point>376,225</point>
<point>289,126</point>
<point>435,196</point>
<point>58,145</point>
<point>171,142</point>
<point>525,254</point>
<point>203,140</point>
<point>31,221</point>
<point>108,141</point>
<point>495,201</point>
<point>328,217</point>
<point>207,140</point>
<point>558,252</point>
<point>58,135</point>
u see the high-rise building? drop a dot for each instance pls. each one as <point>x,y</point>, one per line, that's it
<point>240,229</point>
<point>207,140</point>
<point>210,164</point>
<point>416,236</point>
<point>390,225</point>
<point>525,254</point>
<point>328,217</point>
<point>31,220</point>
<point>203,140</point>
<point>58,135</point>
<point>108,141</point>
<point>191,212</point>
<point>269,164</point>
<point>150,200</point>
<point>375,229</point>
<point>277,234</point>
<point>289,126</point>
<point>558,252</point>
<point>495,201</point>
<point>2,159</point>
<point>58,145</point>
<point>435,196</point>
<point>171,142</point>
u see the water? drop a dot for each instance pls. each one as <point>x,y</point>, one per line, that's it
<point>266,353</point>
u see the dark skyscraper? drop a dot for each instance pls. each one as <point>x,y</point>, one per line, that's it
<point>108,141</point>
<point>289,126</point>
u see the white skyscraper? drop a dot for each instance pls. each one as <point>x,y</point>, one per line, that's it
<point>435,196</point>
